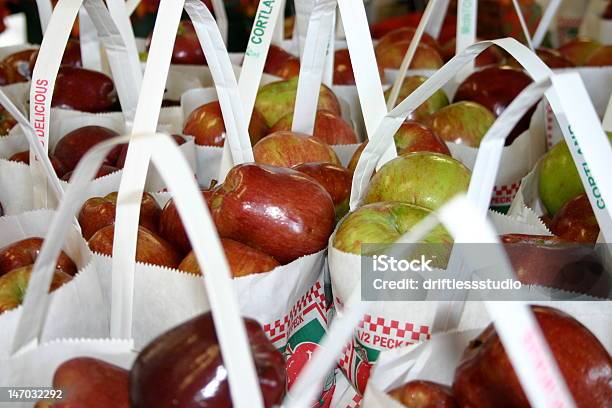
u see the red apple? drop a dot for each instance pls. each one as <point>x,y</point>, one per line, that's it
<point>150,248</point>
<point>71,58</point>
<point>187,49</point>
<point>92,383</point>
<point>84,90</point>
<point>103,171</point>
<point>576,221</point>
<point>171,227</point>
<point>13,286</point>
<point>415,137</point>
<point>335,179</point>
<point>579,50</point>
<point>433,104</point>
<point>288,149</point>
<point>556,263</point>
<point>98,212</point>
<point>355,158</point>
<point>402,35</point>
<point>17,66</point>
<point>485,376</point>
<point>277,99</point>
<point>207,126</point>
<point>243,260</point>
<point>281,63</point>
<point>343,68</point>
<point>124,148</point>
<point>7,122</point>
<point>23,253</point>
<point>73,146</point>
<point>425,57</point>
<point>495,88</point>
<point>461,122</point>
<point>24,157</point>
<point>280,211</point>
<point>328,127</point>
<point>424,394</point>
<point>184,368</point>
<point>600,58</point>
<point>553,58</point>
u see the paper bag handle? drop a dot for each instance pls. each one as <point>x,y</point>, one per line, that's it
<point>545,21</point>
<point>373,152</point>
<point>45,9</point>
<point>520,335</point>
<point>175,171</point>
<point>316,46</point>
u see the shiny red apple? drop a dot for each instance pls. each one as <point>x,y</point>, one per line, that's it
<point>150,248</point>
<point>288,149</point>
<point>330,128</point>
<point>282,64</point>
<point>98,212</point>
<point>335,179</point>
<point>73,146</point>
<point>280,211</point>
<point>84,90</point>
<point>415,137</point>
<point>485,377</point>
<point>71,58</point>
<point>187,49</point>
<point>576,221</point>
<point>206,125</point>
<point>24,252</point>
<point>343,68</point>
<point>242,259</point>
<point>184,368</point>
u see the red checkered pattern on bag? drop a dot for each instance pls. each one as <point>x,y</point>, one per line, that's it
<point>504,194</point>
<point>313,299</point>
<point>356,403</point>
<point>395,329</point>
<point>345,360</point>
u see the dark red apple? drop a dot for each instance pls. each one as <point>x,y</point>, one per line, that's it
<point>330,128</point>
<point>579,50</point>
<point>187,49</point>
<point>180,140</point>
<point>98,212</point>
<point>424,394</point>
<point>207,126</point>
<point>13,286</point>
<point>150,248</point>
<point>343,68</point>
<point>24,157</point>
<point>104,170</point>
<point>280,211</point>
<point>402,35</point>
<point>576,221</point>
<point>243,260</point>
<point>556,263</point>
<point>7,121</point>
<point>553,58</point>
<point>425,57</point>
<point>485,377</point>
<point>335,179</point>
<point>71,58</point>
<point>73,146</point>
<point>288,149</point>
<point>415,137</point>
<point>18,66</point>
<point>281,63</point>
<point>184,368</point>
<point>495,88</point>
<point>355,158</point>
<point>171,227</point>
<point>23,253</point>
<point>92,383</point>
<point>84,90</point>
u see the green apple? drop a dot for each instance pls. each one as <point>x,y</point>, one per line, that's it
<point>383,223</point>
<point>435,102</point>
<point>423,178</point>
<point>559,180</point>
<point>461,122</point>
<point>277,99</point>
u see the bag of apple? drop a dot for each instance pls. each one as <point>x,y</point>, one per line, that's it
<point>380,202</point>
<point>283,287</point>
<point>33,360</point>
